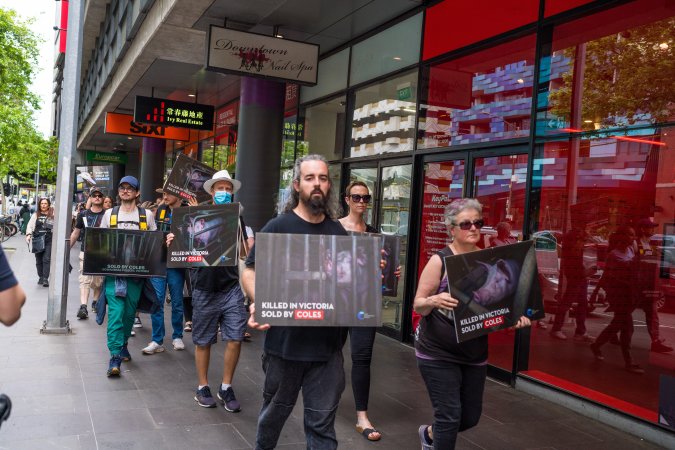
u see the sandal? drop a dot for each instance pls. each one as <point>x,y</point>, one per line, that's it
<point>366,433</point>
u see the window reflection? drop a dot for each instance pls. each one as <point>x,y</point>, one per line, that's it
<point>323,129</point>
<point>485,96</point>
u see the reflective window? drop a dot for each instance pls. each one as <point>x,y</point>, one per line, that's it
<point>323,128</point>
<point>383,120</point>
<point>332,77</point>
<point>605,249</point>
<point>486,96</point>
<point>604,76</point>
<point>392,49</point>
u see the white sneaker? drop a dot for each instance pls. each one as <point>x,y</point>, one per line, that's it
<point>178,344</point>
<point>137,322</point>
<point>559,335</point>
<point>133,333</point>
<point>153,347</point>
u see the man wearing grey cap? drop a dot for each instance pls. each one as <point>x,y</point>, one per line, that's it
<point>88,218</point>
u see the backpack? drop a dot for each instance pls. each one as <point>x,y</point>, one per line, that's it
<point>143,225</point>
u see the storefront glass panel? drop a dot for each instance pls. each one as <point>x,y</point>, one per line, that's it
<point>323,128</point>
<point>500,186</point>
<point>605,224</point>
<point>483,97</point>
<point>383,120</point>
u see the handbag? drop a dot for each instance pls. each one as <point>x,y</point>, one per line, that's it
<point>37,243</point>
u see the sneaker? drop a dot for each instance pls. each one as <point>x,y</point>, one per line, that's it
<point>634,368</point>
<point>178,344</point>
<point>230,402</point>
<point>152,348</point>
<point>93,306</point>
<point>114,366</point>
<point>204,398</point>
<point>584,338</point>
<point>41,280</point>
<point>596,352</point>
<point>83,313</point>
<point>426,444</point>
<point>188,327</point>
<point>133,333</point>
<point>45,283</point>
<point>137,322</point>
<point>124,353</point>
<point>660,347</point>
<point>558,335</point>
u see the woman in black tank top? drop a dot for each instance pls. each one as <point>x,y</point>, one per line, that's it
<point>454,373</point>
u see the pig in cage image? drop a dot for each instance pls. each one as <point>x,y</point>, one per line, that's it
<point>210,233</point>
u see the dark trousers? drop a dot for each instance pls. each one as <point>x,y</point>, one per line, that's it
<point>187,308</point>
<point>361,341</point>
<point>456,393</point>
<point>322,384</point>
<point>621,322</point>
<point>43,260</point>
<point>575,291</point>
<point>648,305</point>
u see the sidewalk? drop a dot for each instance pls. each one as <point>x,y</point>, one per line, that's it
<point>63,399</point>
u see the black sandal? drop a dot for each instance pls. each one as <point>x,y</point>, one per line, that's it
<point>366,432</point>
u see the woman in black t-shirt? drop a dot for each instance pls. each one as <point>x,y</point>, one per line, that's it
<point>454,373</point>
<point>41,224</point>
<point>361,339</point>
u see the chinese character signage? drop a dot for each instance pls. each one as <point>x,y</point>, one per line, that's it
<point>258,55</point>
<point>161,111</point>
<point>293,129</point>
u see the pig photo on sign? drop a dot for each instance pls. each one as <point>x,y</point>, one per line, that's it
<point>501,282</point>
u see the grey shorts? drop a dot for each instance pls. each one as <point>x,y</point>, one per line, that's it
<point>211,309</point>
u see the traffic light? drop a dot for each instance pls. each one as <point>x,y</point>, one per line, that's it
<point>5,189</point>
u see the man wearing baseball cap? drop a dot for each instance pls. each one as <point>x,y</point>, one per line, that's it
<point>88,218</point>
<point>217,301</point>
<point>123,293</point>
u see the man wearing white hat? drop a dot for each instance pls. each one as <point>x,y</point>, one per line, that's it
<point>217,300</point>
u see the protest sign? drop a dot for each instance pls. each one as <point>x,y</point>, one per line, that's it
<point>133,253</point>
<point>317,280</point>
<point>495,287</point>
<point>204,236</point>
<point>187,179</point>
<point>391,246</point>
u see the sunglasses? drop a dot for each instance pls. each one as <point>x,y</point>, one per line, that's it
<point>126,188</point>
<point>466,225</point>
<point>356,198</point>
<point>96,196</point>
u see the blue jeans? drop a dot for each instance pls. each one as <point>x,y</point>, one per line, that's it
<point>456,393</point>
<point>175,278</point>
<point>322,384</point>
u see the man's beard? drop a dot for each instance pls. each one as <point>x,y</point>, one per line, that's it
<point>317,205</point>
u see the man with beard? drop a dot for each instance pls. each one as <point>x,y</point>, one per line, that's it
<point>307,358</point>
<point>175,278</point>
<point>88,218</point>
<point>122,293</point>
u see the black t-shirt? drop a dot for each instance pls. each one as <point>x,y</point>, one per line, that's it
<point>435,335</point>
<point>302,343</point>
<point>216,279</point>
<point>7,279</point>
<point>88,218</point>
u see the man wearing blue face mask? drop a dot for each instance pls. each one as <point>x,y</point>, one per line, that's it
<point>217,300</point>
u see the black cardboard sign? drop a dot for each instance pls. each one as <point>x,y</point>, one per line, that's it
<point>133,253</point>
<point>187,179</point>
<point>316,280</point>
<point>204,236</point>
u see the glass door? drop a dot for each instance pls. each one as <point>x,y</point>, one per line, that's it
<point>499,182</point>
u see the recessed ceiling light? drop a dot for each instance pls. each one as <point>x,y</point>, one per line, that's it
<point>588,121</point>
<point>663,45</point>
<point>279,36</point>
<point>129,137</point>
<point>191,95</point>
<point>397,58</point>
<point>520,81</point>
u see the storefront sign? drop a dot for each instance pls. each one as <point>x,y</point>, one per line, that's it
<point>293,129</point>
<point>227,117</point>
<point>258,55</point>
<point>124,124</point>
<point>114,158</point>
<point>404,93</point>
<point>495,287</point>
<point>314,280</point>
<point>161,111</point>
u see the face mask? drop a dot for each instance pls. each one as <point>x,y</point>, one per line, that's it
<point>222,197</point>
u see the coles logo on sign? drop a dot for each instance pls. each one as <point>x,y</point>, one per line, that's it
<point>493,322</point>
<point>308,314</point>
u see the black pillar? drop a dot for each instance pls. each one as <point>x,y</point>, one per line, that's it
<point>152,167</point>
<point>261,117</point>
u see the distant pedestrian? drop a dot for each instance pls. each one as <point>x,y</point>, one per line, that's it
<point>39,235</point>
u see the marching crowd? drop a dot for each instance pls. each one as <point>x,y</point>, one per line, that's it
<point>208,301</point>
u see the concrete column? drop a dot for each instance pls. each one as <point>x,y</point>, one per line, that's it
<point>261,117</point>
<point>152,167</point>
